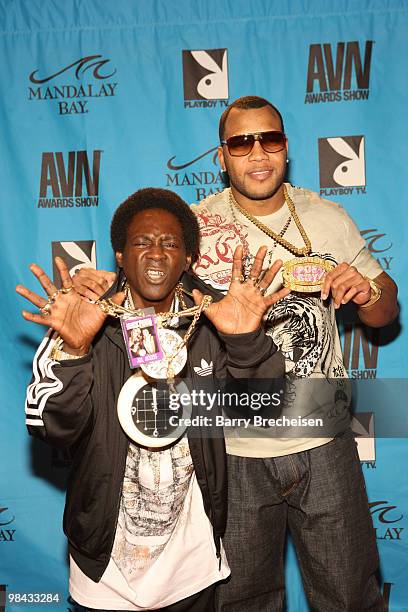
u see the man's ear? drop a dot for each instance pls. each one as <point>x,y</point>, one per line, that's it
<point>188,262</point>
<point>119,259</point>
<point>220,154</point>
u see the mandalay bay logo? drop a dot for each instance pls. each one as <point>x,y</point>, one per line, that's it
<point>6,533</point>
<point>379,245</point>
<point>72,87</point>
<point>198,177</point>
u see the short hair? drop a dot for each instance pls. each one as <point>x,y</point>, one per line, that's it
<point>163,199</point>
<point>246,103</point>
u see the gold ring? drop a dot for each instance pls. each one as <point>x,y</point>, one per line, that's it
<point>66,289</point>
<point>45,310</point>
<point>238,278</point>
<point>52,297</point>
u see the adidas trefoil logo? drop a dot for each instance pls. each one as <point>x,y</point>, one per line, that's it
<point>205,369</point>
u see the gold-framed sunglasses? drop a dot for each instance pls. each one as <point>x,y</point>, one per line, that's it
<point>271,142</point>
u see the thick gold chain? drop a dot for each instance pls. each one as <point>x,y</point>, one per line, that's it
<point>306,250</point>
<point>115,310</point>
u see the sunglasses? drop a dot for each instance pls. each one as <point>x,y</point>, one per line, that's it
<point>271,142</point>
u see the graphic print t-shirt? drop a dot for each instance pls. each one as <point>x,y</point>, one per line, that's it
<point>302,325</point>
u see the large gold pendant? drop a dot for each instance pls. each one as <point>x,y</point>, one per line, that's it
<point>305,274</point>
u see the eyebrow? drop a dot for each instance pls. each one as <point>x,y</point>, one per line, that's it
<point>162,236</point>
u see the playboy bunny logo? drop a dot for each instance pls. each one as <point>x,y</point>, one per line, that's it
<point>362,425</point>
<point>205,74</point>
<point>342,161</point>
<point>213,86</point>
<point>76,254</point>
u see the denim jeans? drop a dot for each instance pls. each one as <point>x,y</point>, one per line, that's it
<point>320,496</point>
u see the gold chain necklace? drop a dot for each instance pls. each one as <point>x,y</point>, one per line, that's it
<point>278,238</point>
<point>114,310</point>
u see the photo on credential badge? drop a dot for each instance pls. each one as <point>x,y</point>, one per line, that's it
<point>141,340</point>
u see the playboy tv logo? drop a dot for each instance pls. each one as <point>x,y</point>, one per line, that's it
<point>362,425</point>
<point>342,165</point>
<point>338,73</point>
<point>205,76</point>
<point>76,254</point>
<point>69,180</point>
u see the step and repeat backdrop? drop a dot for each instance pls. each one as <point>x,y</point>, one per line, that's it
<point>99,99</point>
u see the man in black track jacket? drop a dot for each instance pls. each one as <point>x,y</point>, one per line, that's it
<point>144,525</point>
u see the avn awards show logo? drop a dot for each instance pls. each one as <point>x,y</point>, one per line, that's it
<point>202,180</point>
<point>342,165</point>
<point>378,244</point>
<point>74,85</point>
<point>385,517</point>
<point>76,254</point>
<point>6,519</point>
<point>69,180</point>
<point>338,73</point>
<point>205,77</point>
<point>360,350</point>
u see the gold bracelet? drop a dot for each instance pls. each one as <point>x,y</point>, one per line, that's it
<point>58,354</point>
<point>376,293</point>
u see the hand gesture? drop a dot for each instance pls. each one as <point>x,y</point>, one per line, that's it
<point>346,284</point>
<point>76,320</point>
<point>242,309</point>
<point>92,284</point>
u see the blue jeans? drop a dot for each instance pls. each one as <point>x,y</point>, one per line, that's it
<point>320,496</point>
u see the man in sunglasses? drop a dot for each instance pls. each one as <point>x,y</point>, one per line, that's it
<point>311,483</point>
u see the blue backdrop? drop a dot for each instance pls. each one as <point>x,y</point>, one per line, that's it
<point>99,98</point>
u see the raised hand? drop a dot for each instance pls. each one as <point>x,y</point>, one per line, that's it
<point>76,320</point>
<point>242,309</point>
<point>92,284</point>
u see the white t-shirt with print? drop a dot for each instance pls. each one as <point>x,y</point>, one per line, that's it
<point>164,548</point>
<point>303,327</point>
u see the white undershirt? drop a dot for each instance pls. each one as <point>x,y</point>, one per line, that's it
<point>165,558</point>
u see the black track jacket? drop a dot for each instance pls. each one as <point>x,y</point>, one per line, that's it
<point>72,404</point>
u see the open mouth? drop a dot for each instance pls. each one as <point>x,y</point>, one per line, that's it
<point>155,276</point>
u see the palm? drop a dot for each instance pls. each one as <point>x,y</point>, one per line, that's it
<point>76,320</point>
<point>242,309</point>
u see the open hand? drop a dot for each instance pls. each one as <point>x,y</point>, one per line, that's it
<point>242,309</point>
<point>76,320</point>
